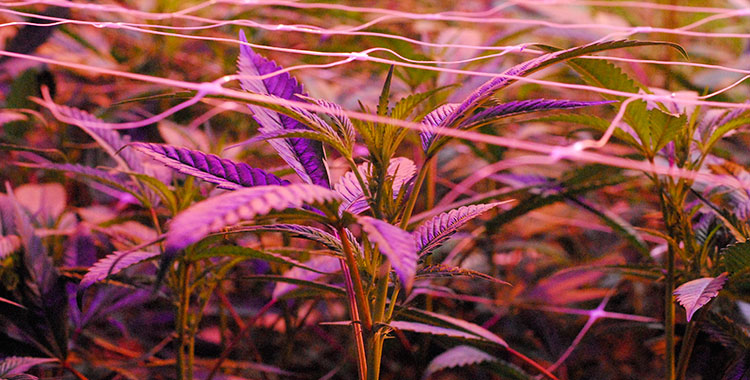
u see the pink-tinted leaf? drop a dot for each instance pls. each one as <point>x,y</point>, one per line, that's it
<point>109,139</point>
<point>430,234</point>
<point>526,106</point>
<point>446,271</point>
<point>396,244</point>
<point>322,265</point>
<point>112,264</point>
<point>208,167</point>
<point>9,244</point>
<point>303,155</point>
<point>400,168</point>
<point>215,213</point>
<point>695,294</point>
<point>433,122</point>
<point>433,330</point>
<point>459,356</point>
<point>342,122</point>
<point>16,365</point>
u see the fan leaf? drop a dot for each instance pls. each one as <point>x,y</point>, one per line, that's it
<point>112,264</point>
<point>396,244</point>
<point>215,213</point>
<point>305,156</point>
<point>313,269</point>
<point>400,168</point>
<point>208,167</point>
<point>16,365</point>
<point>459,356</point>
<point>446,271</point>
<point>435,231</point>
<point>695,294</point>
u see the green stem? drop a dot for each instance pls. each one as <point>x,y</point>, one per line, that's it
<point>688,342</point>
<point>415,193</point>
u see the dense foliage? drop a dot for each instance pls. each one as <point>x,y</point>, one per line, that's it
<point>176,204</point>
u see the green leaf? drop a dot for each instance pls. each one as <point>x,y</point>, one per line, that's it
<point>334,141</point>
<point>664,128</point>
<point>619,225</point>
<point>166,195</point>
<point>594,122</point>
<point>722,130</point>
<point>385,94</point>
<point>737,257</point>
<point>406,105</point>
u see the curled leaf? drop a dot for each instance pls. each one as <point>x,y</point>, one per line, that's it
<point>400,168</point>
<point>695,294</point>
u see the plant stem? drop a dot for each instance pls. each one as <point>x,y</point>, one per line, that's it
<point>362,301</point>
<point>669,316</point>
<point>184,349</point>
<point>688,342</point>
<point>356,324</point>
<point>414,194</point>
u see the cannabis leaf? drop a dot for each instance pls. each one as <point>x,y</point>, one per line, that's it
<point>322,265</point>
<point>459,356</point>
<point>305,156</point>
<point>215,213</point>
<point>15,365</point>
<point>225,173</point>
<point>433,122</point>
<point>396,244</point>
<point>693,295</point>
<point>435,231</point>
<point>114,263</point>
<point>401,169</point>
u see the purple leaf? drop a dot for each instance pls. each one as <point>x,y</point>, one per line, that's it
<point>213,214</point>
<point>303,155</point>
<point>208,167</point>
<point>342,122</point>
<point>112,264</point>
<point>526,106</point>
<point>695,294</point>
<point>113,180</point>
<point>304,232</point>
<point>459,356</point>
<point>435,231</point>
<point>15,365</point>
<point>396,244</point>
<point>109,139</point>
<point>400,168</point>
<point>322,264</point>
<point>433,122</point>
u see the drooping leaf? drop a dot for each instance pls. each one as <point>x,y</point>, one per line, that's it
<point>250,253</point>
<point>401,169</point>
<point>441,320</point>
<point>109,139</point>
<point>459,356</point>
<point>112,264</point>
<point>694,294</point>
<point>430,234</point>
<point>305,156</point>
<point>215,213</point>
<point>322,265</point>
<point>16,365</point>
<point>115,181</point>
<point>432,122</point>
<point>208,167</point>
<point>396,244</point>
<point>523,106</point>
<point>446,271</point>
<point>737,257</point>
